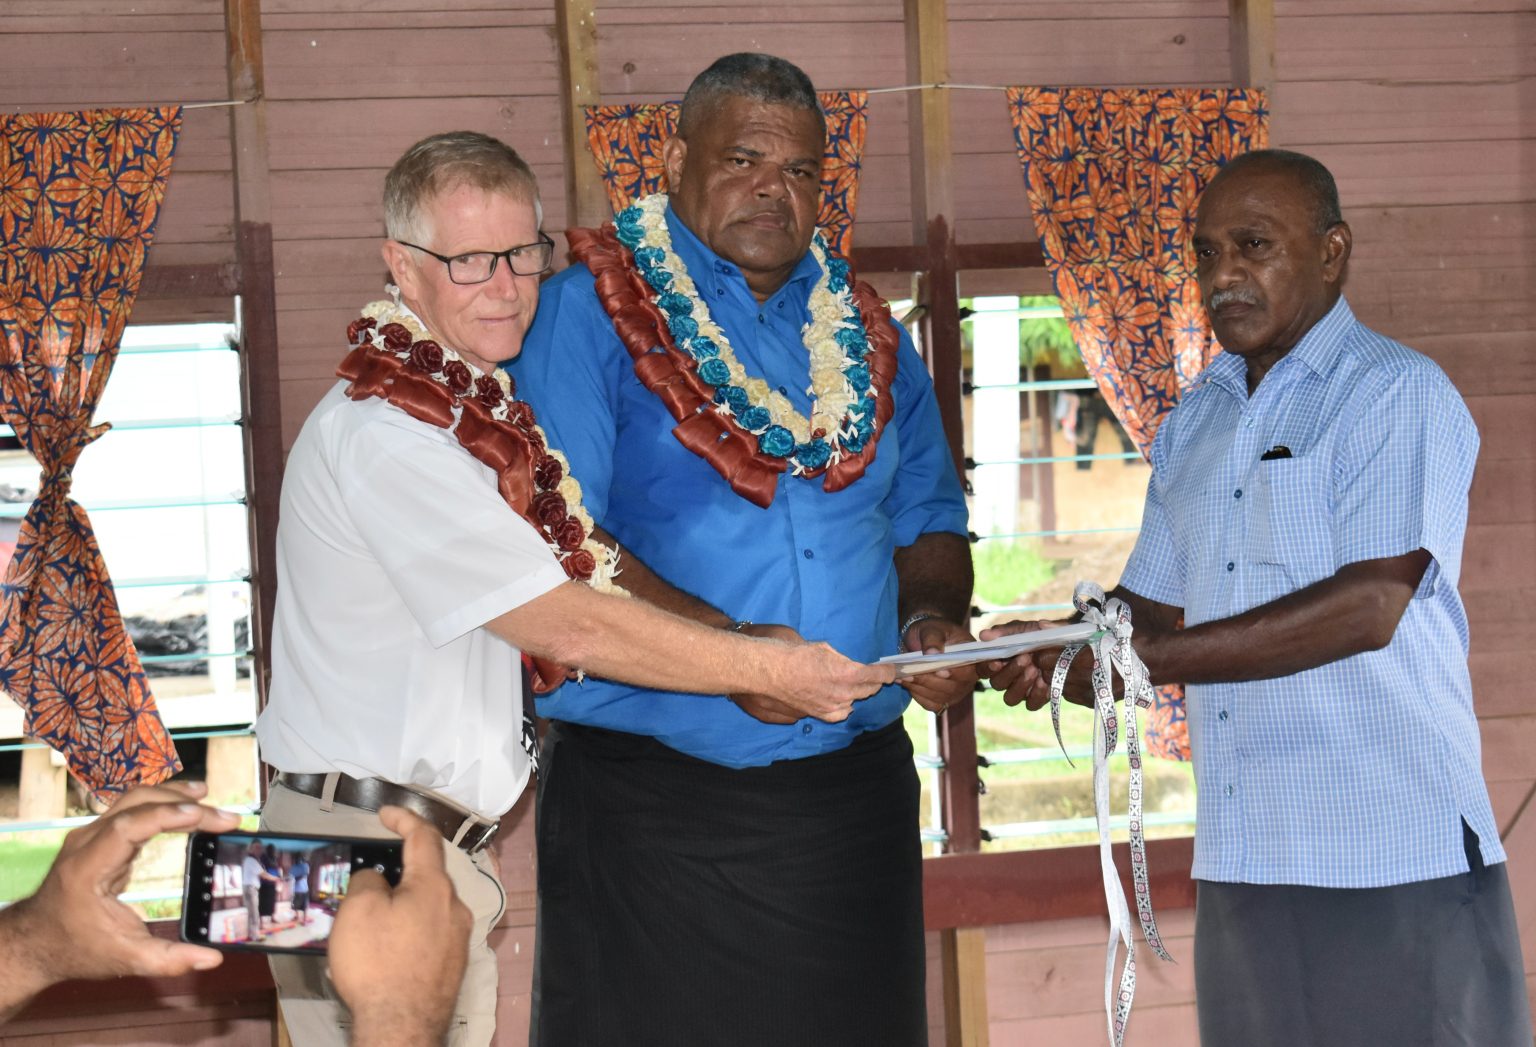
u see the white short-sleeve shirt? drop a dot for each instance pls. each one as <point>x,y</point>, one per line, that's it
<point>394,548</point>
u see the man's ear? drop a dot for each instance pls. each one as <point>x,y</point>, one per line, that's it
<point>673,152</point>
<point>1338,241</point>
<point>402,267</point>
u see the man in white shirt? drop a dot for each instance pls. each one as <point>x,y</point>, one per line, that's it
<point>251,874</point>
<point>413,567</point>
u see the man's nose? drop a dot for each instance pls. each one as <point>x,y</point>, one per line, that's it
<point>504,283</point>
<point>771,183</point>
<point>1228,269</point>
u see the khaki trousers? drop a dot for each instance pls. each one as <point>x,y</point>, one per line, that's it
<point>314,1015</point>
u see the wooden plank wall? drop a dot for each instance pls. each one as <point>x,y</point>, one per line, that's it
<point>1422,107</point>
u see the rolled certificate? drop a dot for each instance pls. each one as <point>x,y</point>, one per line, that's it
<point>998,650</point>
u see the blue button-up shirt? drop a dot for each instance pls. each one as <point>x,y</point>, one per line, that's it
<point>821,563</point>
<point>1356,773</point>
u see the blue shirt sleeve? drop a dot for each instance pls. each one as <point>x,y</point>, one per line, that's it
<point>1402,475</point>
<point>925,495</point>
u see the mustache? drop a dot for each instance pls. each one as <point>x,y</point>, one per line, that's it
<point>1236,295</point>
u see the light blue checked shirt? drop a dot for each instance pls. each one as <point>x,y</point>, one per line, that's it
<point>1357,773</point>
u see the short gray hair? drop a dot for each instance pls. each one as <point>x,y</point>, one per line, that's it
<point>747,74</point>
<point>1309,173</point>
<point>446,161</point>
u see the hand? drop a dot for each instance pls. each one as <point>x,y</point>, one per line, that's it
<point>815,680</point>
<point>762,706</point>
<point>1027,677</point>
<point>397,956</point>
<point>74,926</point>
<point>937,691</point>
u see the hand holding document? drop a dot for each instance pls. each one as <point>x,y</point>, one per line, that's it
<point>1000,649</point>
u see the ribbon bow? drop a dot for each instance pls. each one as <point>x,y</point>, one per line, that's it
<point>1112,653</point>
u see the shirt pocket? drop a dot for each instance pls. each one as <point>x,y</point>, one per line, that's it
<point>1292,524</point>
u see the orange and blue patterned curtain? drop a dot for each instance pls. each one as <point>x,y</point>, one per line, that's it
<point>626,141</point>
<point>79,197</point>
<point>1113,177</point>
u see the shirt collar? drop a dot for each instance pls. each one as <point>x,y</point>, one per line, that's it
<point>1317,350</point>
<point>710,272</point>
<point>1320,346</point>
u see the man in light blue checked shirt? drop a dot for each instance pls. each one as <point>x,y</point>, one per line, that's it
<point>1305,517</point>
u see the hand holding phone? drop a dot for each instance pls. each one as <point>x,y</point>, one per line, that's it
<point>423,919</point>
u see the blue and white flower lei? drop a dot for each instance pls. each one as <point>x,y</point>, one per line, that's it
<point>843,403</point>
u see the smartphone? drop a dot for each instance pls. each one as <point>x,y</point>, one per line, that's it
<point>273,892</point>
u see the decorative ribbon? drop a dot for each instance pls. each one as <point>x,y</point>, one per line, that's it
<point>1112,652</point>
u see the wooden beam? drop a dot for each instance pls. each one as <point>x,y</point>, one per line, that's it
<point>586,203</point>
<point>964,967</point>
<point>962,958</point>
<point>260,399</point>
<point>981,890</point>
<point>1253,43</point>
<point>248,122</point>
<point>927,38</point>
<point>243,983</point>
<point>189,281</point>
<point>914,259</point>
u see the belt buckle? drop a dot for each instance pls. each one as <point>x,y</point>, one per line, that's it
<point>479,837</point>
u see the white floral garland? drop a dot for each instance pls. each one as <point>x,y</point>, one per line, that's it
<point>843,398</point>
<point>394,312</point>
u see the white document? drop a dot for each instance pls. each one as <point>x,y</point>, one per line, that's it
<point>998,650</point>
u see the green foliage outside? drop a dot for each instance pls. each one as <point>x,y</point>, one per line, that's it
<point>1046,339</point>
<point>1007,570</point>
<point>25,861</point>
<point>1051,788</point>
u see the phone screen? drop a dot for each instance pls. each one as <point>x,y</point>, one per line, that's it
<point>273,892</point>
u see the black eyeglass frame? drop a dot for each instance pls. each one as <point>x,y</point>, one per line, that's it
<point>496,256</point>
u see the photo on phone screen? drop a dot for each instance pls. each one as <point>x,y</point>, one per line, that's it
<point>273,892</point>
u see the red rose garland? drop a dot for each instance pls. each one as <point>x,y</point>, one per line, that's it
<point>672,374</point>
<point>434,386</point>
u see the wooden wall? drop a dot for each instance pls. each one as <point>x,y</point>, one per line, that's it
<point>1425,110</point>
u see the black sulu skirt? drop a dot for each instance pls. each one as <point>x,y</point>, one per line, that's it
<point>684,903</point>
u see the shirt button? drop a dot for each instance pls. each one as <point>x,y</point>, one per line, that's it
<point>1222,716</point>
<point>1237,493</point>
<point>1231,566</point>
<point>761,318</point>
<point>783,391</point>
<point>1230,790</point>
<point>719,292</point>
<point>810,555</point>
<point>805,728</point>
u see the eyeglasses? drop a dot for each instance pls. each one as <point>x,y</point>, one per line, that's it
<point>477,267</point>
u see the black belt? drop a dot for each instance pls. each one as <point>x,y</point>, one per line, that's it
<point>460,827</point>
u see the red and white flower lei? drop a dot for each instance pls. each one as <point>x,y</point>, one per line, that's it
<point>394,357</point>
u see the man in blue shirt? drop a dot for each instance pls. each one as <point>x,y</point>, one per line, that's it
<point>1305,515</point>
<point>722,870</point>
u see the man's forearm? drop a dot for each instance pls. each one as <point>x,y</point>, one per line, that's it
<point>22,972</point>
<point>632,641</point>
<point>647,585</point>
<point>934,575</point>
<point>1355,610</point>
